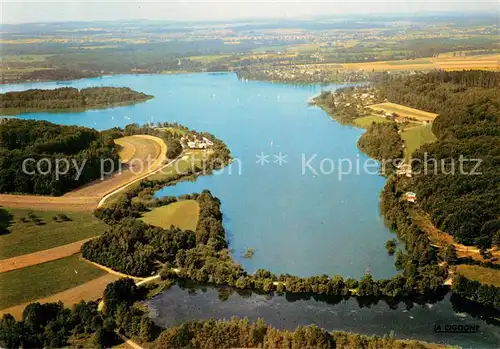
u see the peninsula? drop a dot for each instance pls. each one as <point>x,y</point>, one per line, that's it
<point>37,100</point>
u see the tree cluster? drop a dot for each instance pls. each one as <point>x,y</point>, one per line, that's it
<point>174,148</point>
<point>69,97</point>
<point>134,248</point>
<point>36,140</point>
<point>487,295</point>
<point>382,142</point>
<point>241,333</point>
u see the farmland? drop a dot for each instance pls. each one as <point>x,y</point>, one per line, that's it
<point>88,291</point>
<point>28,237</point>
<point>183,214</point>
<point>401,110</point>
<point>484,62</point>
<point>45,279</point>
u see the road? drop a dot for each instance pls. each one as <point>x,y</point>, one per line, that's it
<point>145,149</point>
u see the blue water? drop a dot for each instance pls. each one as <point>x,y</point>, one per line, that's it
<point>302,222</point>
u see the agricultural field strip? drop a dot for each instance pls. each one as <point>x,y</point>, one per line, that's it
<point>40,257</point>
<point>88,291</point>
<point>403,111</point>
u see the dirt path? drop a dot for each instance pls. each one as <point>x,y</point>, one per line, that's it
<point>129,342</point>
<point>140,178</point>
<point>440,239</point>
<point>148,157</point>
<point>88,291</point>
<point>111,271</point>
<point>40,257</point>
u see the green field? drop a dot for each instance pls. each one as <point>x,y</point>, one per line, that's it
<point>483,275</point>
<point>366,121</point>
<point>43,280</point>
<point>183,214</point>
<point>415,137</point>
<point>28,237</point>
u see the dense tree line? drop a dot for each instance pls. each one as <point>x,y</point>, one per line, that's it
<point>382,142</point>
<point>81,147</point>
<point>487,295</point>
<point>463,199</point>
<point>69,97</point>
<point>55,74</point>
<point>51,325</point>
<point>241,333</point>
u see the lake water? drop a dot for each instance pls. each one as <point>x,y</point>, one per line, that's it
<point>297,218</point>
<point>417,321</point>
<point>301,221</point>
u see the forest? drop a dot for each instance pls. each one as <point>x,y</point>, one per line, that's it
<point>241,333</point>
<point>382,142</point>
<point>462,199</point>
<point>69,97</point>
<point>33,139</point>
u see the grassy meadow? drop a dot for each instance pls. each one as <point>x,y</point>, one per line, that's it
<point>416,136</point>
<point>366,121</point>
<point>183,214</point>
<point>42,280</point>
<point>28,237</point>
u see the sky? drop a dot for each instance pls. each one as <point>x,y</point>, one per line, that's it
<point>22,11</point>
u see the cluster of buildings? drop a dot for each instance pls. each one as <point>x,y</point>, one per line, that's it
<point>195,143</point>
<point>411,196</point>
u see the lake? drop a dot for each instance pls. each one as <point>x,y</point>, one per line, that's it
<point>297,209</point>
<point>411,320</point>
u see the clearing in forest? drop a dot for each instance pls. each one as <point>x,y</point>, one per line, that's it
<point>366,121</point>
<point>182,214</point>
<point>416,136</point>
<point>404,111</point>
